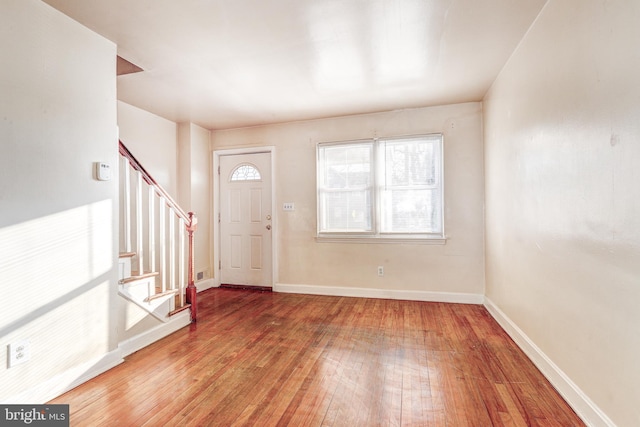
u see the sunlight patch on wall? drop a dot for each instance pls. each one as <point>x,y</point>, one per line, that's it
<point>58,271</point>
<point>46,258</point>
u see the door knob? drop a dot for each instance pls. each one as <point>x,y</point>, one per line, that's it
<point>269,217</point>
<point>268,226</point>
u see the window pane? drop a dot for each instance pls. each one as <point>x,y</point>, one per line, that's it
<point>345,187</point>
<point>245,173</point>
<point>411,190</point>
<point>410,162</point>
<point>412,211</point>
<point>346,211</point>
<point>347,166</point>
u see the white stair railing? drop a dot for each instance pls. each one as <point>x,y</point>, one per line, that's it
<point>164,250</point>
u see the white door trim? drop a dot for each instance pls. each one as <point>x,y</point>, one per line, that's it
<point>215,209</point>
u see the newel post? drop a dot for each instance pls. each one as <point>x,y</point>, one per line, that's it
<point>191,287</point>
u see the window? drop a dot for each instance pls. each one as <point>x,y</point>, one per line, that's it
<point>388,188</point>
<point>245,173</point>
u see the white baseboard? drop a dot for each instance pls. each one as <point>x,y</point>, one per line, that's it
<point>138,342</point>
<point>72,378</point>
<point>67,380</point>
<point>205,284</point>
<point>586,409</point>
<point>452,297</point>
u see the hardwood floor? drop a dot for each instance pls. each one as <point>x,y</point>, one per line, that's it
<point>270,359</point>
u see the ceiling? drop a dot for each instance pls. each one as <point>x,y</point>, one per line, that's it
<point>233,63</point>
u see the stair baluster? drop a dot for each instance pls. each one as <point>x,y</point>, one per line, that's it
<point>138,207</point>
<point>172,249</point>
<point>127,205</point>
<point>181,263</point>
<point>152,230</point>
<point>163,244</point>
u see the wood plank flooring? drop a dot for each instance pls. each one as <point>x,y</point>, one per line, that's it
<point>270,359</point>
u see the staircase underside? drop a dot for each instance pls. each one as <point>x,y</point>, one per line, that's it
<point>141,289</point>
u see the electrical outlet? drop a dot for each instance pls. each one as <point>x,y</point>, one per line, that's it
<point>380,271</point>
<point>288,206</point>
<point>19,352</point>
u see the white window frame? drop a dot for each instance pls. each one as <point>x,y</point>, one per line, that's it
<point>376,235</point>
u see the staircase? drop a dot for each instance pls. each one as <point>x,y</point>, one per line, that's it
<point>156,264</point>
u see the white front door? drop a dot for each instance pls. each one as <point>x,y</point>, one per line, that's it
<point>245,219</point>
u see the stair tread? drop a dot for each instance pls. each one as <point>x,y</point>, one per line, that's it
<point>161,294</point>
<point>127,254</point>
<point>145,273</point>
<point>179,309</point>
<point>135,275</point>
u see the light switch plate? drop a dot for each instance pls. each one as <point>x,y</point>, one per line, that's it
<point>288,206</point>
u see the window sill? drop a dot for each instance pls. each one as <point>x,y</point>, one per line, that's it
<point>382,239</point>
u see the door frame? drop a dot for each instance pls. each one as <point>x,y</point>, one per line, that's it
<point>215,241</point>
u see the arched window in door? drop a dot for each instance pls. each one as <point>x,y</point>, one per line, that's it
<point>245,172</point>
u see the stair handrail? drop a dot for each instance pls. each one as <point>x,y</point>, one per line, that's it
<point>124,151</point>
<point>190,219</point>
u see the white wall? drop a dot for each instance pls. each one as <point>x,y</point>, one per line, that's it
<point>562,126</point>
<point>194,188</point>
<point>153,141</point>
<point>454,268</point>
<point>58,225</point>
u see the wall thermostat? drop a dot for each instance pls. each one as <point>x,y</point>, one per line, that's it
<point>103,171</point>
